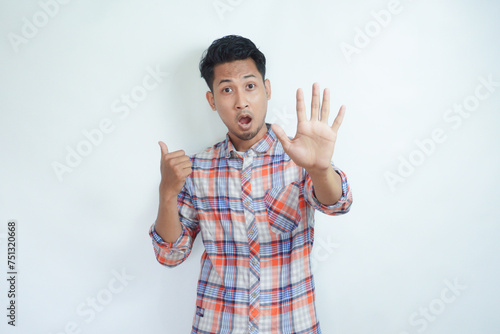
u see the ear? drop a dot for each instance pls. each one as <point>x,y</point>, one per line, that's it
<point>267,85</point>
<point>211,100</point>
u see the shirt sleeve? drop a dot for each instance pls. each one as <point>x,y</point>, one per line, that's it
<point>342,206</point>
<point>172,254</point>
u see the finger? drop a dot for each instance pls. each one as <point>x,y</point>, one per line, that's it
<point>181,160</point>
<point>185,164</point>
<point>282,137</point>
<point>315,102</point>
<point>176,154</point>
<point>181,170</point>
<point>325,106</point>
<point>163,147</point>
<point>338,119</point>
<point>301,107</point>
<point>186,172</point>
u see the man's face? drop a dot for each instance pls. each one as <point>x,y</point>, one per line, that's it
<point>240,97</point>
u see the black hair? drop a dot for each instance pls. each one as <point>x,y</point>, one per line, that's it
<point>226,49</point>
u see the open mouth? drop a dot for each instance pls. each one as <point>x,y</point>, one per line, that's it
<point>244,121</point>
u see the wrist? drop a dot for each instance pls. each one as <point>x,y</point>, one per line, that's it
<point>167,196</point>
<point>319,173</point>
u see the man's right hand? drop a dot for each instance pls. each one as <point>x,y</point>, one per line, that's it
<point>174,167</point>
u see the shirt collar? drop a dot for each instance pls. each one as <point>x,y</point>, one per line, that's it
<point>260,147</point>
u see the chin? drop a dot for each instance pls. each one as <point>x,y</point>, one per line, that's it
<point>250,133</point>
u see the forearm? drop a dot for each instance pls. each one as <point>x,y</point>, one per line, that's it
<point>168,225</point>
<point>327,185</point>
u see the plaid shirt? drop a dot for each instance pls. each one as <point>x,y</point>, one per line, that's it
<point>256,217</point>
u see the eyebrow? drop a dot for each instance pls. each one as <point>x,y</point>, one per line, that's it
<point>229,80</point>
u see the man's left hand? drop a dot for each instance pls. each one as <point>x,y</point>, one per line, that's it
<point>314,143</point>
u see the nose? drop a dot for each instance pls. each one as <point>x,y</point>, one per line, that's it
<point>241,101</point>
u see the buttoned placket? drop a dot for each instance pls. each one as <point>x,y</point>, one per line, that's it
<point>253,243</point>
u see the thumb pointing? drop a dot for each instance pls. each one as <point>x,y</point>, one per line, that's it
<point>282,137</point>
<point>163,147</point>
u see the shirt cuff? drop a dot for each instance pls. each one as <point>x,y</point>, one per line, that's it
<point>323,207</point>
<point>159,240</point>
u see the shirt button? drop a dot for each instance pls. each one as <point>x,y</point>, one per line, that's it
<point>254,262</point>
<point>252,328</point>
<point>247,202</point>
<point>252,232</point>
<point>254,294</point>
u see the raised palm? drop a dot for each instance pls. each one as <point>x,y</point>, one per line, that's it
<point>313,145</point>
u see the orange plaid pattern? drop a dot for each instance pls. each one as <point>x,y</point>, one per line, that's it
<point>255,214</point>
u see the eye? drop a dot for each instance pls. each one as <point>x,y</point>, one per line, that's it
<point>251,86</point>
<point>226,90</point>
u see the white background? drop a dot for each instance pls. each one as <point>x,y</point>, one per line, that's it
<point>382,268</point>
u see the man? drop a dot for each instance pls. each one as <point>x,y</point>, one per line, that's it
<point>252,197</point>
